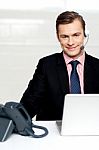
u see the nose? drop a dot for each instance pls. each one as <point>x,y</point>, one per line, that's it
<point>70,41</point>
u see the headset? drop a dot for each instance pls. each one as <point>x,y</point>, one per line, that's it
<point>86,35</point>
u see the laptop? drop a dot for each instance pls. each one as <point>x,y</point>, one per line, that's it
<point>80,115</point>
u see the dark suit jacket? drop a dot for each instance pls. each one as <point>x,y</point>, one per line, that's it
<point>45,93</point>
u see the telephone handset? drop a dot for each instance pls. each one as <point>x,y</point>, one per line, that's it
<point>21,119</point>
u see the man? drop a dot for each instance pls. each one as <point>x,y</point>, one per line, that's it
<point>44,96</point>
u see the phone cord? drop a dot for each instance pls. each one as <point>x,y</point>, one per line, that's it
<point>32,133</point>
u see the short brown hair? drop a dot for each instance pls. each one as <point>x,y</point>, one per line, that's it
<point>68,17</point>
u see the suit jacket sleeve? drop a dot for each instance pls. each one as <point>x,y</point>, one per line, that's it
<point>35,92</point>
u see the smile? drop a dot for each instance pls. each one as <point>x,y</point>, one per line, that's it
<point>71,48</point>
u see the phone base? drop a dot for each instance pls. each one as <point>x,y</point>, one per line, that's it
<point>6,128</point>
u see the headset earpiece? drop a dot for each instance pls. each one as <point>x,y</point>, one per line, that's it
<point>86,33</point>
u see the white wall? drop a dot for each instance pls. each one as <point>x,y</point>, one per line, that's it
<point>26,35</point>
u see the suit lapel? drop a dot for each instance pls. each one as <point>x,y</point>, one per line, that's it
<point>62,74</point>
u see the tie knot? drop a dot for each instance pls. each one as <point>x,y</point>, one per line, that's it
<point>74,63</point>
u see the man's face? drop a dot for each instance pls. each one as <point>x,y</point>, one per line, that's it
<point>71,38</point>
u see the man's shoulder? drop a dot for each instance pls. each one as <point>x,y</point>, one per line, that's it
<point>92,60</point>
<point>51,58</point>
<point>90,57</point>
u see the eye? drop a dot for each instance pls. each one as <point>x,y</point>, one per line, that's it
<point>76,35</point>
<point>63,36</point>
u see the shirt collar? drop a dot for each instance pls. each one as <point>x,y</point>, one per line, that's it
<point>81,59</point>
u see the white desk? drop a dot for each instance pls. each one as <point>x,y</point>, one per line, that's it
<point>53,141</point>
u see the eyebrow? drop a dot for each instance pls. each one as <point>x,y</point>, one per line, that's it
<point>77,33</point>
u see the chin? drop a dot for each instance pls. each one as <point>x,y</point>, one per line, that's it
<point>74,55</point>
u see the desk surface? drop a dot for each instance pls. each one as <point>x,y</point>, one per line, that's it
<point>53,141</point>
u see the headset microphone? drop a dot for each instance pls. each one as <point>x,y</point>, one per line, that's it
<point>82,47</point>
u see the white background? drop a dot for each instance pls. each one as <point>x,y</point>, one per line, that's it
<point>27,33</point>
